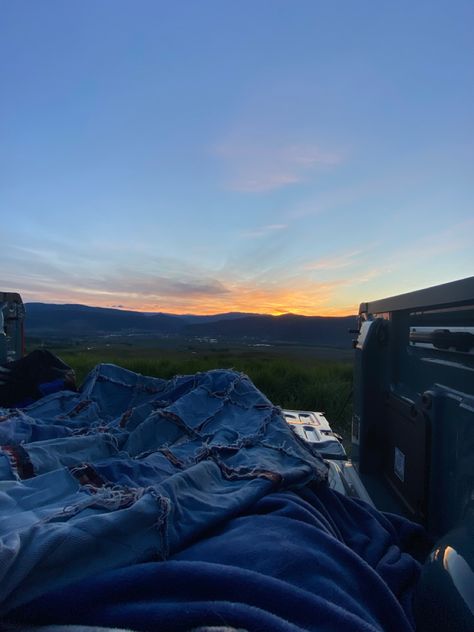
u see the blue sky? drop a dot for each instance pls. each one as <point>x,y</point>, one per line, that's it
<point>208,156</point>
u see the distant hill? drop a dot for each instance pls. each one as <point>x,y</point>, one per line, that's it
<point>195,319</point>
<point>73,320</point>
<point>318,330</point>
<point>80,320</point>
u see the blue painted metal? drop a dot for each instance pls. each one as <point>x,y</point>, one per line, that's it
<point>413,424</point>
<point>413,433</point>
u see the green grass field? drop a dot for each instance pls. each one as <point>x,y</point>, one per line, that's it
<point>294,378</point>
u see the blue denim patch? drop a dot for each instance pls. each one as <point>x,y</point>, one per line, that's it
<point>132,469</point>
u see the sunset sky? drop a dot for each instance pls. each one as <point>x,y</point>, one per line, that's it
<point>253,155</point>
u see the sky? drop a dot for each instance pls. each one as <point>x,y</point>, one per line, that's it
<point>205,156</point>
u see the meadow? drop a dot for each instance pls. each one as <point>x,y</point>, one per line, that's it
<point>303,378</point>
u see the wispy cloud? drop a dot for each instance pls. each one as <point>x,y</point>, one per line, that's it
<point>132,290</point>
<point>53,278</point>
<point>132,285</point>
<point>262,231</point>
<point>334,263</point>
<point>254,167</point>
<point>455,238</point>
<point>160,287</point>
<point>330,285</point>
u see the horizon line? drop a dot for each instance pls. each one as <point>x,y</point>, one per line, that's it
<point>123,308</point>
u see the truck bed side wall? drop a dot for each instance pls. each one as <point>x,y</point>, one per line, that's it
<point>413,424</point>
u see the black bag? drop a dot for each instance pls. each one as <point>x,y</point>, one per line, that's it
<point>38,374</point>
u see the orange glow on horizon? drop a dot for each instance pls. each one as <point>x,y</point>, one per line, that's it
<point>328,299</point>
<point>274,306</point>
<point>336,312</point>
<point>253,300</point>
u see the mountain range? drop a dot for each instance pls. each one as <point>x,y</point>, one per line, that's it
<point>81,320</point>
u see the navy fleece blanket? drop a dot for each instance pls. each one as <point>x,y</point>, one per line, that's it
<point>168,505</point>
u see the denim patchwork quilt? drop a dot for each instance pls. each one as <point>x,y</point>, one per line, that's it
<point>153,504</point>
